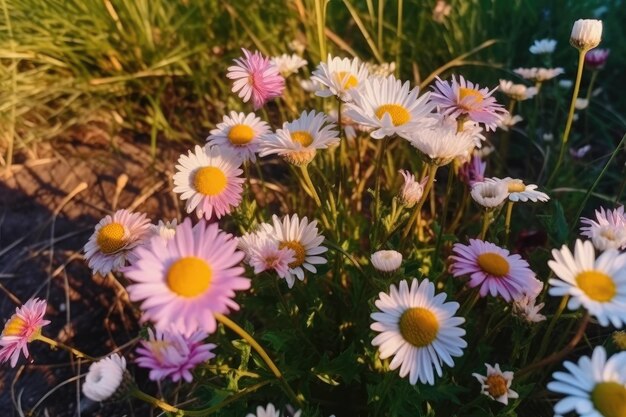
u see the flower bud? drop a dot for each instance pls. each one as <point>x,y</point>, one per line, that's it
<point>586,34</point>
<point>387,260</point>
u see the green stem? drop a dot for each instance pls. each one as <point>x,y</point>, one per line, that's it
<point>486,222</point>
<point>320,18</point>
<point>399,36</point>
<point>432,171</point>
<point>507,222</point>
<point>307,179</point>
<point>548,334</point>
<point>11,127</point>
<point>59,345</point>
<point>444,214</point>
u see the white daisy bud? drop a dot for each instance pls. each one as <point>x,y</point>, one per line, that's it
<point>586,34</point>
<point>412,190</point>
<point>489,194</point>
<point>105,378</point>
<point>581,103</point>
<point>167,230</point>
<point>387,260</point>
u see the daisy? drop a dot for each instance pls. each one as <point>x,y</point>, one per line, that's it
<point>596,58</point>
<point>539,74</point>
<point>268,411</point>
<point>419,328</point>
<point>256,77</point>
<point>494,270</point>
<point>599,284</point>
<point>389,107</point>
<point>586,34</point>
<point>496,384</point>
<point>298,141</point>
<point>183,281</point>
<point>241,133</point>
<point>303,239</point>
<point>336,76</point>
<point>518,92</point>
<point>594,387</point>
<point>208,178</point>
<point>266,254</point>
<point>607,230</point>
<point>166,230</point>
<point>518,191</point>
<point>288,64</point>
<point>381,70</point>
<point>489,194</point>
<point>105,378</point>
<point>386,260</point>
<point>412,190</point>
<point>171,355</point>
<point>467,100</point>
<point>526,309</point>
<point>441,143</point>
<point>22,328</point>
<point>543,46</point>
<point>114,239</point>
<point>509,121</point>
<point>473,171</point>
<point>566,84</point>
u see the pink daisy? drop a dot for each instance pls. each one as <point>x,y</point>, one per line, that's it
<point>266,254</point>
<point>257,77</point>
<point>169,354</point>
<point>607,230</point>
<point>22,328</point>
<point>466,99</point>
<point>114,239</point>
<point>208,178</point>
<point>596,58</point>
<point>183,281</point>
<point>494,270</point>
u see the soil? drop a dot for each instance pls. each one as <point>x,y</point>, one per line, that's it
<point>42,233</point>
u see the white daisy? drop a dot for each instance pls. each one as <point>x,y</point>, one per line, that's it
<point>599,284</point>
<point>114,239</point>
<point>526,309</point>
<point>208,178</point>
<point>441,142</point>
<point>381,70</point>
<point>607,230</point>
<point>303,238</point>
<point>496,384</point>
<point>389,107</point>
<point>566,84</point>
<point>336,76</point>
<point>241,133</point>
<point>104,377</point>
<point>594,387</point>
<point>538,74</point>
<point>518,191</point>
<point>387,260</point>
<point>509,121</point>
<point>581,103</point>
<point>489,194</point>
<point>288,64</point>
<point>268,411</point>
<point>543,46</point>
<point>299,140</point>
<point>167,230</point>
<point>518,92</point>
<point>412,190</point>
<point>419,328</point>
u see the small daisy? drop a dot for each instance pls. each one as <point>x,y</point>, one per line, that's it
<point>543,46</point>
<point>114,239</point>
<point>241,133</point>
<point>166,230</point>
<point>336,77</point>
<point>256,77</point>
<point>594,387</point>
<point>267,254</point>
<point>288,64</point>
<point>419,328</point>
<point>183,281</point>
<point>381,70</point>
<point>473,171</point>
<point>465,99</point>
<point>412,190</point>
<point>566,84</point>
<point>386,260</point>
<point>268,411</point>
<point>496,384</point>
<point>105,378</point>
<point>509,121</point>
<point>298,141</point>
<point>171,355</point>
<point>526,309</point>
<point>208,178</point>
<point>389,107</point>
<point>596,58</point>
<point>607,230</point>
<point>494,270</point>
<point>599,284</point>
<point>441,143</point>
<point>22,328</point>
<point>539,74</point>
<point>489,194</point>
<point>580,152</point>
<point>518,191</point>
<point>518,92</point>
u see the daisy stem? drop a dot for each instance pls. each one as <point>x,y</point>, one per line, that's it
<point>487,217</point>
<point>309,184</point>
<point>320,19</point>
<point>248,338</point>
<point>570,115</point>
<point>418,209</point>
<point>59,345</point>
<point>507,222</point>
<point>548,334</point>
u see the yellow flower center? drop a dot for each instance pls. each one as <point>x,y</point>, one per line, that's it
<point>158,347</point>
<point>477,97</point>
<point>14,327</point>
<point>111,238</point>
<point>399,115</point>
<point>609,398</point>
<point>493,264</point>
<point>496,385</point>
<point>209,181</point>
<point>189,277</point>
<point>609,234</point>
<point>596,285</point>
<point>302,137</point>
<point>300,252</point>
<point>516,187</point>
<point>419,326</point>
<point>240,135</point>
<point>346,79</point>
